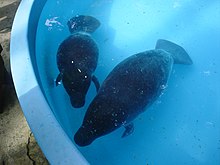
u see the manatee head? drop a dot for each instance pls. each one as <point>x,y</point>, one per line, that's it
<point>76,82</point>
<point>100,119</point>
<point>84,136</point>
<point>90,131</point>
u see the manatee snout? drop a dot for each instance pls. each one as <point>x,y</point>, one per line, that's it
<point>77,100</point>
<point>83,137</point>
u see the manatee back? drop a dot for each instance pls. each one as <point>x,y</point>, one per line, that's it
<point>138,80</point>
<point>78,51</point>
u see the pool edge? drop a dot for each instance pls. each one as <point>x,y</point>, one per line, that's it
<point>50,136</point>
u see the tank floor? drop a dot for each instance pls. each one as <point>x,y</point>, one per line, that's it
<point>17,143</point>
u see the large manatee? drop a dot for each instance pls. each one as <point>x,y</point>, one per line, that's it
<point>131,87</point>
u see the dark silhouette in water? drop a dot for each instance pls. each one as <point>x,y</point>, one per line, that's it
<point>131,87</point>
<point>77,59</point>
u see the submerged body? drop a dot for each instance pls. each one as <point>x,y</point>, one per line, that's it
<point>129,89</point>
<point>77,59</point>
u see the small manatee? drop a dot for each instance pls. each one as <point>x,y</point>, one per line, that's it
<point>77,59</point>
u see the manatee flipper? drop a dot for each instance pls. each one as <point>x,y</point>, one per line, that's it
<point>58,79</point>
<point>82,23</point>
<point>129,129</point>
<point>179,55</point>
<point>96,82</point>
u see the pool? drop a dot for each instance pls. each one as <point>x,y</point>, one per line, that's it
<point>181,127</point>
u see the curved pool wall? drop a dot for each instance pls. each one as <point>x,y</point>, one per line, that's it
<point>52,139</point>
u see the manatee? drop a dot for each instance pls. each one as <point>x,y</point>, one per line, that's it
<point>130,88</point>
<point>77,59</point>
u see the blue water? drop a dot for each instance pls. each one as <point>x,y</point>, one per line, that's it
<point>183,125</point>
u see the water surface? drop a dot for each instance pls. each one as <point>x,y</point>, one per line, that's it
<point>183,125</point>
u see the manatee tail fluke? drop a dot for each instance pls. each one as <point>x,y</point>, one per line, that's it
<point>179,55</point>
<point>82,23</point>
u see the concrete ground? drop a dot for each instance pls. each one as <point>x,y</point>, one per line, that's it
<point>17,143</point>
